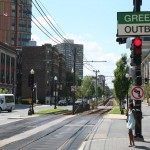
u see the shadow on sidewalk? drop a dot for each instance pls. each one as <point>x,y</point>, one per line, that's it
<point>142,147</point>
<point>21,106</point>
<point>147,141</point>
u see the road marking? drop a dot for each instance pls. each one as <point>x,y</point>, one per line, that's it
<point>32,131</point>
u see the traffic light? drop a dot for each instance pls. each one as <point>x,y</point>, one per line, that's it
<point>136,52</point>
<point>121,40</point>
<point>138,80</point>
<point>146,80</point>
<point>132,54</point>
<point>30,80</point>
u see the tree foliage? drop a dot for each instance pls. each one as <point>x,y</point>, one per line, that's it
<point>147,91</point>
<point>4,91</point>
<point>121,83</point>
<point>100,91</point>
<point>87,87</point>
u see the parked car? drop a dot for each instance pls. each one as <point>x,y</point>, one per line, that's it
<point>62,103</point>
<point>70,102</point>
<point>80,101</point>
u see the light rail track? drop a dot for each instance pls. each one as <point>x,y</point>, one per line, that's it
<point>70,133</point>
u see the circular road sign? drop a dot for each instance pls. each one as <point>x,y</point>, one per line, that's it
<point>137,93</point>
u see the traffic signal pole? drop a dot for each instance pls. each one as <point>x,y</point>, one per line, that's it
<point>136,58</point>
<point>138,79</point>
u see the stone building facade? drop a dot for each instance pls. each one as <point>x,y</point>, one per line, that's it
<point>8,68</point>
<point>47,63</point>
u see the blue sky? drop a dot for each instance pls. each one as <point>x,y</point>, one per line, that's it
<point>92,23</point>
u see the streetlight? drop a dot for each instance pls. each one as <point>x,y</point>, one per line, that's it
<point>35,86</point>
<point>74,89</point>
<point>32,88</point>
<point>31,84</point>
<point>55,79</point>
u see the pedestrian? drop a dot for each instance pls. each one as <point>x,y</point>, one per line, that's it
<point>131,120</point>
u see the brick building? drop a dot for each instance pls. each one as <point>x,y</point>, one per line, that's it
<point>46,61</point>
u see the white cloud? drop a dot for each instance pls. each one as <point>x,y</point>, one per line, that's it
<point>44,20</point>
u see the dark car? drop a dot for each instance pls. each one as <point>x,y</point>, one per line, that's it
<point>62,103</point>
<point>70,102</point>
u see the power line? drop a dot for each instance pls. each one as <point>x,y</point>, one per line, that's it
<point>54,28</point>
<point>50,23</point>
<point>46,21</point>
<point>29,12</point>
<point>52,17</point>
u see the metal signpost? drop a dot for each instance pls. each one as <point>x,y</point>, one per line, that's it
<point>135,24</point>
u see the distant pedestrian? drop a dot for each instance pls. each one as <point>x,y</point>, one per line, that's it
<point>131,120</point>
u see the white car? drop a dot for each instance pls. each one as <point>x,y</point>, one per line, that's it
<point>62,103</point>
<point>7,102</point>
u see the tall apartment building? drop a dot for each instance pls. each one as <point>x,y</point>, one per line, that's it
<point>15,22</point>
<point>69,49</point>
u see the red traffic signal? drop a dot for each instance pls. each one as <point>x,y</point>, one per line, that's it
<point>137,46</point>
<point>137,42</point>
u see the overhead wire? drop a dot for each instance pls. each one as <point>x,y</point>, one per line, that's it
<point>54,29</point>
<point>29,12</point>
<point>52,17</point>
<point>49,21</point>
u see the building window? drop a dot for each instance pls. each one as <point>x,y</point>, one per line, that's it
<point>2,67</point>
<point>7,69</point>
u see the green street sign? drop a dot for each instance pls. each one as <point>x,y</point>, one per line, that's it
<point>133,23</point>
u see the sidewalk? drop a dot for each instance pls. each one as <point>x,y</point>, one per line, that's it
<point>111,133</point>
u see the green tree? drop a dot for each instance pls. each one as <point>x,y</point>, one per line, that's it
<point>107,91</point>
<point>3,91</point>
<point>121,83</point>
<point>69,82</point>
<point>79,92</point>
<point>99,91</point>
<point>147,92</point>
<point>87,87</point>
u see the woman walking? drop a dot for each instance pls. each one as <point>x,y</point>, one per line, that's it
<point>131,123</point>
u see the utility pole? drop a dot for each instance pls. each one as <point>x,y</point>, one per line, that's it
<point>74,80</point>
<point>96,71</point>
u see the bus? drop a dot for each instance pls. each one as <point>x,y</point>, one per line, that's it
<point>7,102</point>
